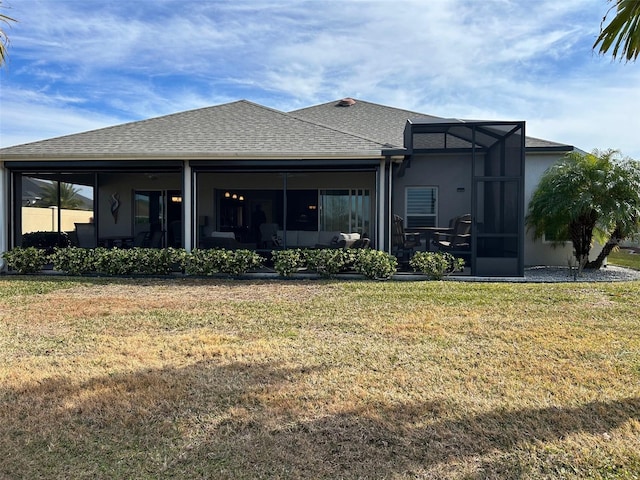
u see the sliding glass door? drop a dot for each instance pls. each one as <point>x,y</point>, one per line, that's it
<point>158,213</point>
<point>345,210</point>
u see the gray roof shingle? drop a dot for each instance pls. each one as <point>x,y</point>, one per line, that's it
<point>239,128</point>
<point>381,123</point>
<point>370,120</point>
<point>243,129</point>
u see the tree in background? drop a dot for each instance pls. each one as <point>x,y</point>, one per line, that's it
<point>68,196</point>
<point>4,40</point>
<point>586,195</point>
<point>622,32</point>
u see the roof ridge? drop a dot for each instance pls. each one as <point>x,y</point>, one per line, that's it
<point>388,107</point>
<point>334,129</point>
<point>304,120</point>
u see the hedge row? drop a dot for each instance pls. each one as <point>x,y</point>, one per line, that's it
<point>371,263</point>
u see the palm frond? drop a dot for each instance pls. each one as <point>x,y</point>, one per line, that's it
<point>623,31</point>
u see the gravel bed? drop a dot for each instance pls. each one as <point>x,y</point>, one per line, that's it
<point>610,273</point>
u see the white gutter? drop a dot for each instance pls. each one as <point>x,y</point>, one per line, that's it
<point>78,156</point>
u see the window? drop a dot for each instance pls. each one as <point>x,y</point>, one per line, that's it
<point>346,210</point>
<point>421,207</point>
<point>55,202</point>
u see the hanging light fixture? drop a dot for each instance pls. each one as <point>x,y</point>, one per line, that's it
<point>227,194</point>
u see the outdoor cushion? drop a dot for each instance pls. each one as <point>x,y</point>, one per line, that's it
<point>307,239</point>
<point>325,237</point>
<point>223,235</point>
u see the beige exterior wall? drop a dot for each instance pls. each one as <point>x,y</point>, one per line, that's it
<point>46,219</point>
<point>539,252</point>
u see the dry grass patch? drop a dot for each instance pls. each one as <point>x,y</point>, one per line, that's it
<point>318,379</point>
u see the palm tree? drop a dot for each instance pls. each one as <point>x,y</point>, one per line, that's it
<point>623,206</point>
<point>623,32</point>
<point>4,40</point>
<point>586,195</point>
<point>68,196</point>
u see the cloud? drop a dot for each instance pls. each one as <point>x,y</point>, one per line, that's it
<point>508,59</point>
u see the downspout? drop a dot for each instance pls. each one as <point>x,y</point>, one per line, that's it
<point>188,194</point>
<point>4,205</point>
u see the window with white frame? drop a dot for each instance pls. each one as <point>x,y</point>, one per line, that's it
<point>421,206</point>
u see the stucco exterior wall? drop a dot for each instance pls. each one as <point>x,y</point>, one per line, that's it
<point>450,173</point>
<point>124,185</point>
<point>539,252</point>
<point>46,219</point>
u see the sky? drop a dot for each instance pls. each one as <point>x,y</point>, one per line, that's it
<point>78,65</point>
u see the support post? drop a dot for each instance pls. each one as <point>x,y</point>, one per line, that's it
<point>381,240</point>
<point>189,197</point>
<point>4,207</point>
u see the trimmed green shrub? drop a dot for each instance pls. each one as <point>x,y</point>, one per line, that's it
<point>212,261</point>
<point>137,261</point>
<point>436,264</point>
<point>286,262</point>
<point>201,262</point>
<point>74,260</point>
<point>327,262</point>
<point>238,262</point>
<point>375,264</point>
<point>26,259</point>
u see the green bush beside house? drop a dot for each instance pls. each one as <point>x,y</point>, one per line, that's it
<point>372,264</point>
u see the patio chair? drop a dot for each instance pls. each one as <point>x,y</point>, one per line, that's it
<point>86,235</point>
<point>452,225</point>
<point>403,243</point>
<point>456,241</point>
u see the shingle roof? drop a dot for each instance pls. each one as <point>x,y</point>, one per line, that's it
<point>239,128</point>
<point>370,120</point>
<point>382,123</point>
<point>243,129</point>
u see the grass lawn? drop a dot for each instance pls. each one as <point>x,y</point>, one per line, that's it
<point>223,379</point>
<point>624,258</point>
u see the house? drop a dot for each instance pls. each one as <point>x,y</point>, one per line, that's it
<point>343,166</point>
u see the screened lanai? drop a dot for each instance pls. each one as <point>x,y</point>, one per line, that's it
<point>492,155</point>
